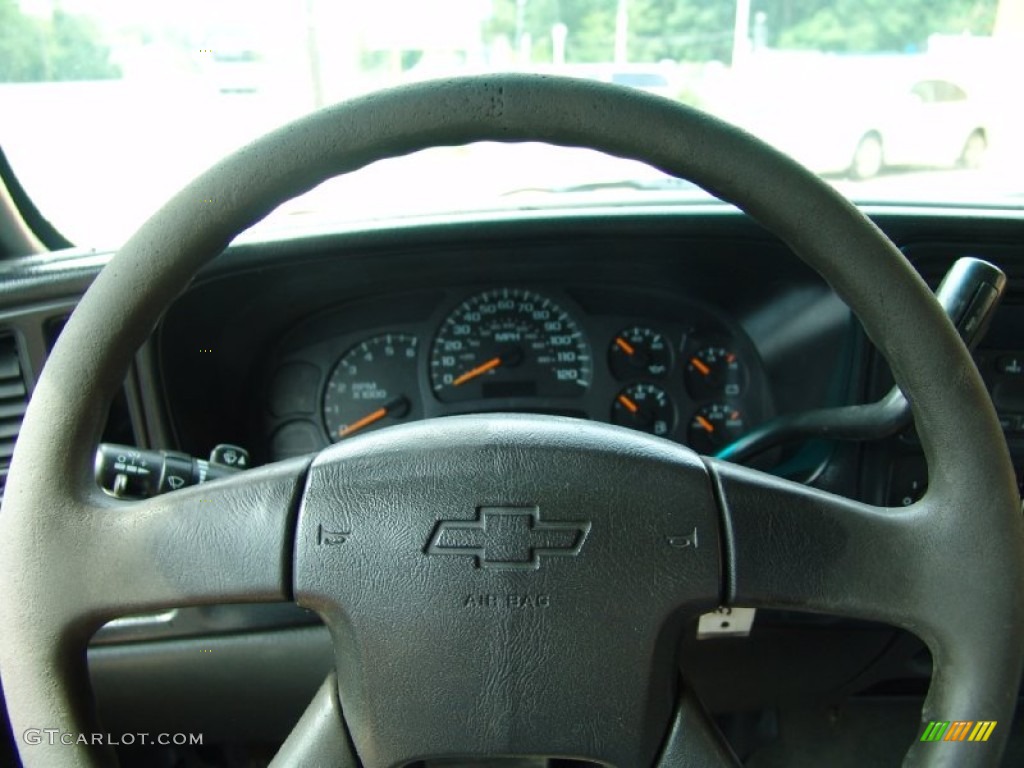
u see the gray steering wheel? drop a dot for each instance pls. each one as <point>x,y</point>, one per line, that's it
<point>490,585</point>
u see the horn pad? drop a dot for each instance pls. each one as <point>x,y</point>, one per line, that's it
<point>507,585</point>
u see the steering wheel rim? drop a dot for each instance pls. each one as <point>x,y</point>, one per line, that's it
<point>56,522</point>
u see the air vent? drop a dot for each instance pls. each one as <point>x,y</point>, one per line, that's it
<point>13,399</point>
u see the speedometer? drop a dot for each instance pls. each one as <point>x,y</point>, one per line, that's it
<point>509,343</point>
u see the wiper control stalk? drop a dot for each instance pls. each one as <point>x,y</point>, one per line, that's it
<point>128,472</point>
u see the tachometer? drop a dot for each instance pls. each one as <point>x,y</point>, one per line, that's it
<point>372,385</point>
<point>508,343</point>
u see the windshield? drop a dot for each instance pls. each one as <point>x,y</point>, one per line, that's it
<point>107,107</point>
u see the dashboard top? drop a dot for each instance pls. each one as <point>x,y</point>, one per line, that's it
<point>702,279</point>
<point>43,276</point>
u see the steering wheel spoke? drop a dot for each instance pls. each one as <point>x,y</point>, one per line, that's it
<point>319,738</point>
<point>227,541</point>
<point>694,740</point>
<point>923,568</point>
<point>792,547</point>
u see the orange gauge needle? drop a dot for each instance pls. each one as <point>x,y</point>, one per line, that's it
<point>397,408</point>
<point>697,363</point>
<point>366,421</point>
<point>480,370</point>
<point>624,345</point>
<point>706,424</point>
<point>630,405</point>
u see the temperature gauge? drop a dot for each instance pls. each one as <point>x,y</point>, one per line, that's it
<point>715,372</point>
<point>639,352</point>
<point>715,426</point>
<point>646,407</point>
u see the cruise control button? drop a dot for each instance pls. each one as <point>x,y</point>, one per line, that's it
<point>1010,365</point>
<point>908,481</point>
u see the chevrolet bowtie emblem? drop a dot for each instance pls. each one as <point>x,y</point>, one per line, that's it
<point>508,537</point>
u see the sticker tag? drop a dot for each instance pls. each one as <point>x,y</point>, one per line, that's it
<point>726,622</point>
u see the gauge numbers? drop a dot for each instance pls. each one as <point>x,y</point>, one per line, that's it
<point>371,386</point>
<point>509,343</point>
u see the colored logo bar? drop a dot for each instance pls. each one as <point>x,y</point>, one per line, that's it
<point>958,730</point>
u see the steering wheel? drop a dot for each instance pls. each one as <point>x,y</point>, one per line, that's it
<point>501,585</point>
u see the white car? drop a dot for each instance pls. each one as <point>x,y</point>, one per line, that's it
<point>928,123</point>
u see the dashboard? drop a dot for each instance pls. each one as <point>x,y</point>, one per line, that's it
<point>653,319</point>
<point>695,326</point>
<point>696,333</point>
<point>667,366</point>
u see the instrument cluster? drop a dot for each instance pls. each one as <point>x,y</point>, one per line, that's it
<point>677,369</point>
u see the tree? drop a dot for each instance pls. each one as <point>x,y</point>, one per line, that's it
<point>869,26</point>
<point>658,29</point>
<point>21,42</point>
<point>64,47</point>
<point>76,52</point>
<point>681,30</point>
<point>699,30</point>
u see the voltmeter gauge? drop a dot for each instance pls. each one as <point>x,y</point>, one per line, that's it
<point>646,407</point>
<point>639,353</point>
